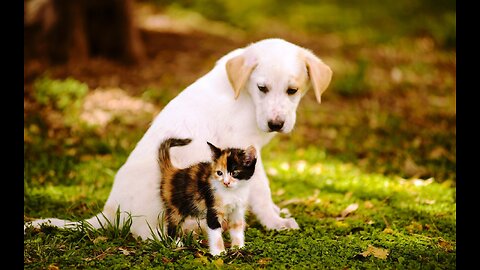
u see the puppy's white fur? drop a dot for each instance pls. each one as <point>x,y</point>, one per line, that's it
<point>226,108</point>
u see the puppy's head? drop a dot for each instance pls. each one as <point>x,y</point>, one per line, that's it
<point>277,74</point>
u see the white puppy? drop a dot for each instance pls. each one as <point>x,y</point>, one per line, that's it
<point>251,94</point>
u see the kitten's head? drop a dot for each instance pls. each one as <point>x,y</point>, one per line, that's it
<point>232,166</point>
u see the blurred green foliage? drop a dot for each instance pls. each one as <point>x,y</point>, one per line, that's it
<point>355,20</point>
<point>354,83</point>
<point>65,96</point>
<point>61,94</point>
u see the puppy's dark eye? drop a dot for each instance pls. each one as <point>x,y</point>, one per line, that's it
<point>262,88</point>
<point>291,91</point>
<point>219,173</point>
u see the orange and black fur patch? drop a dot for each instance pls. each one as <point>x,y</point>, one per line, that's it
<point>188,192</point>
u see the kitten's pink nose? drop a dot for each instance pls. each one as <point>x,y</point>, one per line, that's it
<point>226,184</point>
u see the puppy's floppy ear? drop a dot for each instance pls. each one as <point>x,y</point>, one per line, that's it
<point>216,152</point>
<point>250,156</point>
<point>319,73</point>
<point>239,69</point>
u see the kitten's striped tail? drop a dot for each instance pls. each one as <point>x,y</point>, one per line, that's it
<point>164,152</point>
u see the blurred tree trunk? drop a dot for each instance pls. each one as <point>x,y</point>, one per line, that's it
<point>73,31</point>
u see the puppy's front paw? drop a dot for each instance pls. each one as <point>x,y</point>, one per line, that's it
<point>283,224</point>
<point>276,209</point>
<point>285,212</point>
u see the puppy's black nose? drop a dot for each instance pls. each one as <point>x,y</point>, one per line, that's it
<point>275,125</point>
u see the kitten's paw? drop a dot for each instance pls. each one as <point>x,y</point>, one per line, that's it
<point>238,242</point>
<point>238,245</point>
<point>283,224</point>
<point>216,251</point>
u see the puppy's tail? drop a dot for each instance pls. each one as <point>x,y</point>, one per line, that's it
<point>164,160</point>
<point>96,222</point>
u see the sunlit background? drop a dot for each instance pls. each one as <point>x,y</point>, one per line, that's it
<point>390,107</point>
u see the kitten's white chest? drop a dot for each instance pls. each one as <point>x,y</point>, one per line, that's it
<point>231,206</point>
<point>233,199</point>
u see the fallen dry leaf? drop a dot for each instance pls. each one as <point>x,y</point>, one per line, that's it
<point>368,204</point>
<point>420,182</point>
<point>426,201</point>
<point>351,208</point>
<point>414,227</point>
<point>280,192</point>
<point>445,245</point>
<point>100,239</point>
<point>376,252</point>
<point>264,261</point>
<point>291,201</point>
<point>437,153</point>
<point>53,267</point>
<point>125,251</point>
<point>166,260</point>
<point>388,230</point>
<point>103,105</point>
<point>314,199</point>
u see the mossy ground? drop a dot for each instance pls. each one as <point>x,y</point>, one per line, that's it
<point>413,220</point>
<point>369,175</point>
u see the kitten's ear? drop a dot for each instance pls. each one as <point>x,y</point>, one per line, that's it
<point>216,152</point>
<point>250,156</point>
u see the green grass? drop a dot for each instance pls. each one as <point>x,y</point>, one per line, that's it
<point>413,219</point>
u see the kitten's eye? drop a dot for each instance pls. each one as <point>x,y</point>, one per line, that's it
<point>219,173</point>
<point>291,91</point>
<point>235,173</point>
<point>262,88</point>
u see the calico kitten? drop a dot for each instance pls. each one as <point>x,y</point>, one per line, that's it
<point>216,190</point>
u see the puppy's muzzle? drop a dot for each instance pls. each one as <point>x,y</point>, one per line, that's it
<point>275,125</point>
